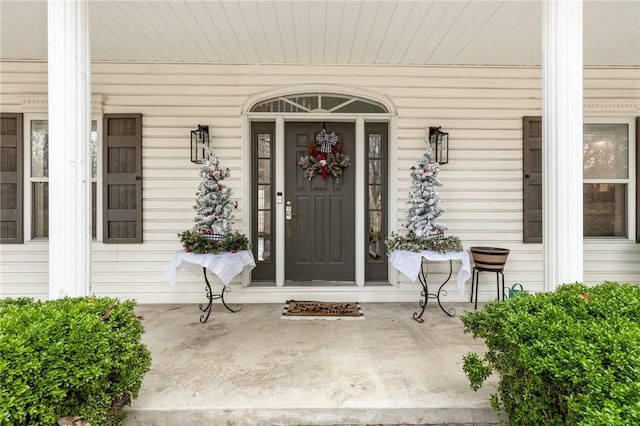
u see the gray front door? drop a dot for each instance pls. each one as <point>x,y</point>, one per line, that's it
<point>320,236</point>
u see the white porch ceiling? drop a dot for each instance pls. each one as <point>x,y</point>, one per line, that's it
<point>420,32</point>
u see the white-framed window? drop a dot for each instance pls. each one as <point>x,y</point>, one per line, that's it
<point>36,166</point>
<point>609,178</point>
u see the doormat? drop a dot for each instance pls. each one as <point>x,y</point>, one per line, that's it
<point>306,310</point>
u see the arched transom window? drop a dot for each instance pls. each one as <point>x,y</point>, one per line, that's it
<point>320,102</point>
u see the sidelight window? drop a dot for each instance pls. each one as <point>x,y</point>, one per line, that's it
<point>376,201</point>
<point>376,237</point>
<point>264,197</point>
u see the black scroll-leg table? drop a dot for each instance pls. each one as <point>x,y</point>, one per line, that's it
<point>422,276</point>
<point>211,297</point>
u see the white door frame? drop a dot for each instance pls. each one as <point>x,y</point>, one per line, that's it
<point>279,175</point>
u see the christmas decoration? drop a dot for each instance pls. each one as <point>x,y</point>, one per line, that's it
<point>411,242</point>
<point>424,232</point>
<point>212,223</point>
<point>324,157</point>
<point>213,201</point>
<point>326,140</point>
<point>424,199</point>
<point>196,242</point>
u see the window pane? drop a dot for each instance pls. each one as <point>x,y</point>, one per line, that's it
<point>264,235</point>
<point>376,247</point>
<point>375,142</point>
<point>267,222</point>
<point>361,107</point>
<point>264,145</point>
<point>375,171</point>
<point>279,105</point>
<point>605,209</point>
<point>264,171</point>
<point>39,148</point>
<point>94,209</point>
<point>40,209</point>
<point>376,244</point>
<point>375,223</point>
<point>329,101</point>
<point>94,149</point>
<point>375,197</point>
<point>264,249</point>
<point>307,102</point>
<point>264,197</point>
<point>264,223</point>
<point>606,151</point>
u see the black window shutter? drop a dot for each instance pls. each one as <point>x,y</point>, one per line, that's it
<point>11,218</point>
<point>532,179</point>
<point>122,178</point>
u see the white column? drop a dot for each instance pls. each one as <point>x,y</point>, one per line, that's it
<point>69,153</point>
<point>562,142</point>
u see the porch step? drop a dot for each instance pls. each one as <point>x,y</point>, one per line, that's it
<point>312,416</point>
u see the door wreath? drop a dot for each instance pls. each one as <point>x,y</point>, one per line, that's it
<point>324,157</point>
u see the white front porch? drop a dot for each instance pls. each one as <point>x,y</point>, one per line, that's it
<point>253,368</point>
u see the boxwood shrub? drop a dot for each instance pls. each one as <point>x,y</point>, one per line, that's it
<point>69,357</point>
<point>571,357</point>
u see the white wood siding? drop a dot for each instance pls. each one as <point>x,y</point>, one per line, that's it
<point>481,108</point>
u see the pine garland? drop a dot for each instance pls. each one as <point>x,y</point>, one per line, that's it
<point>196,242</point>
<point>411,242</point>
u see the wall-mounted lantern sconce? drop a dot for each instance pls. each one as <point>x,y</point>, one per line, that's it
<point>199,144</point>
<point>439,142</point>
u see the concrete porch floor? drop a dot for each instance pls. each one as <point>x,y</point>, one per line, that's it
<point>253,368</point>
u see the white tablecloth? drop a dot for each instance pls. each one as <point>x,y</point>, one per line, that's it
<point>225,265</point>
<point>410,262</point>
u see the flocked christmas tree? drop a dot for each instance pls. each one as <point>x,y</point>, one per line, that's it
<point>424,199</point>
<point>425,233</point>
<point>213,200</point>
<point>211,232</point>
